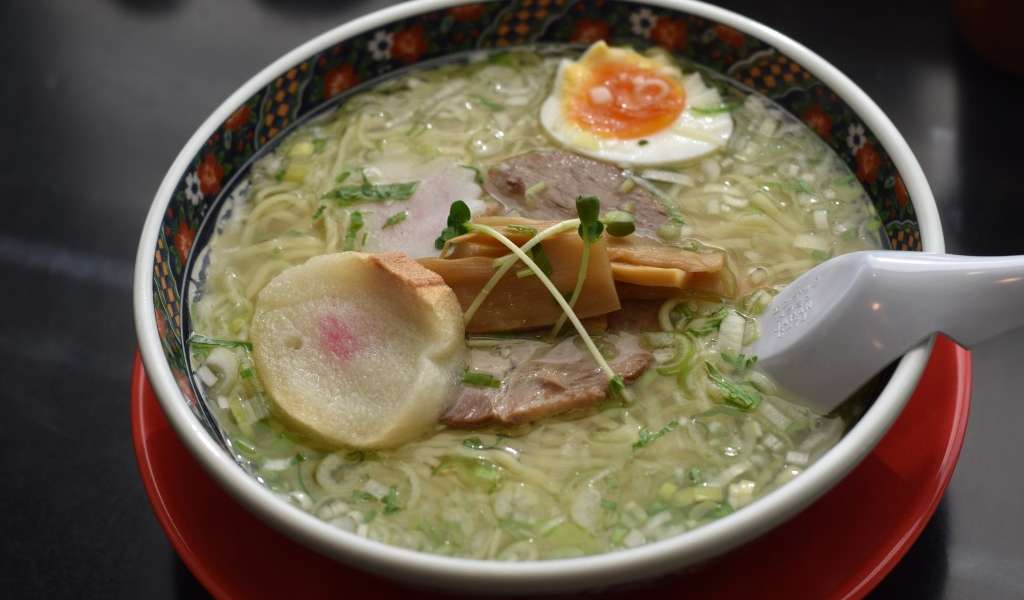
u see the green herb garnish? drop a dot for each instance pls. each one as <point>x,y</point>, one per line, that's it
<point>355,223</point>
<point>588,208</point>
<point>458,223</point>
<point>674,216</point>
<point>319,145</point>
<point>319,212</point>
<point>480,379</point>
<point>719,511</point>
<point>643,143</point>
<point>347,195</point>
<point>395,219</point>
<point>702,326</point>
<point>342,176</point>
<point>740,362</point>
<point>741,396</point>
<point>475,443</point>
<point>391,501</point>
<point>647,437</point>
<point>609,504</point>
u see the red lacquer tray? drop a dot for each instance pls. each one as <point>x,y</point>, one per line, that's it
<point>840,547</point>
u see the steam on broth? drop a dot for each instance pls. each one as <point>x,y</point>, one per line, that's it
<point>696,433</point>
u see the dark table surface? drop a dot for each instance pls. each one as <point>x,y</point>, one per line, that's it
<point>100,96</point>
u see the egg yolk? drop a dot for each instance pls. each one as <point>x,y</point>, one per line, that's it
<point>626,102</point>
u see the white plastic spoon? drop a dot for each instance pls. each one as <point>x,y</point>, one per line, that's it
<point>842,322</point>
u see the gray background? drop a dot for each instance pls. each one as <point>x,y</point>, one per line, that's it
<point>100,96</point>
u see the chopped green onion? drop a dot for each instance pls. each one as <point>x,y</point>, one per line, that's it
<point>475,443</point>
<point>647,437</point>
<point>347,195</point>
<point>342,176</point>
<point>675,216</point>
<point>643,143</point>
<point>743,397</point>
<point>609,504</point>
<point>395,219</point>
<point>480,379</point>
<point>391,501</point>
<point>319,145</point>
<point>319,212</point>
<point>355,223</point>
<point>740,362</point>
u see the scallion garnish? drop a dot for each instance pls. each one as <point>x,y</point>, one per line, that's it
<point>347,195</point>
<point>395,219</point>
<point>480,379</point>
<point>740,362</point>
<point>647,437</point>
<point>355,224</point>
<point>741,396</point>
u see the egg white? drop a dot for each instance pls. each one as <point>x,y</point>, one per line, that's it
<point>690,136</point>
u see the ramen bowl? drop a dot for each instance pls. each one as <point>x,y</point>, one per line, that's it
<point>323,71</point>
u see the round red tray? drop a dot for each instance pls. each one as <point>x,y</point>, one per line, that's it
<point>840,547</point>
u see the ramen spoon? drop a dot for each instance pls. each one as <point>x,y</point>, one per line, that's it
<point>839,324</point>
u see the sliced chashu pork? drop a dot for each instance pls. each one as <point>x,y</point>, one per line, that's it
<point>539,380</point>
<point>565,177</point>
<point>440,182</point>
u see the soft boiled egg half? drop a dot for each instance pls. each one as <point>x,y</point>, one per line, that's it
<point>617,105</point>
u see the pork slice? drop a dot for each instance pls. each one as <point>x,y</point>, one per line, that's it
<point>440,182</point>
<point>565,177</point>
<point>553,379</point>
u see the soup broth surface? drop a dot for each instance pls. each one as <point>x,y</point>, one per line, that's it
<point>675,455</point>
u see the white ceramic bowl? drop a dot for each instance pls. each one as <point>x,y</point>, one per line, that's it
<point>161,270</point>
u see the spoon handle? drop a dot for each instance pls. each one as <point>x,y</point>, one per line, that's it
<point>838,324</point>
<point>969,298</point>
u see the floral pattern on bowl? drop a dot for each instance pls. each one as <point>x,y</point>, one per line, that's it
<point>324,79</point>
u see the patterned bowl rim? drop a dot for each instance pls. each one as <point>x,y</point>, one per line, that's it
<point>560,574</point>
